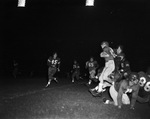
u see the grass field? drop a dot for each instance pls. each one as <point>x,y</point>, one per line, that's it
<point>32,100</point>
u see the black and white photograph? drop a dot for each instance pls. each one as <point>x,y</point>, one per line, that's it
<point>75,59</point>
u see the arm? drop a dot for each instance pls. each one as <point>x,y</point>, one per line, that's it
<point>58,65</point>
<point>96,64</point>
<point>49,61</point>
<point>112,52</point>
<point>86,65</point>
<point>104,54</point>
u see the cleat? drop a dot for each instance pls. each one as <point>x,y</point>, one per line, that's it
<point>93,89</point>
<point>48,84</point>
<point>104,90</point>
<point>72,81</point>
<point>93,92</point>
<point>87,84</point>
<point>106,102</point>
<point>98,94</point>
<point>56,80</point>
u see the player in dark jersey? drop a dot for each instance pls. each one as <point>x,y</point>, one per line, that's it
<point>92,65</point>
<point>75,71</point>
<point>121,64</point>
<point>119,57</point>
<point>144,83</point>
<point>125,68</point>
<point>53,66</point>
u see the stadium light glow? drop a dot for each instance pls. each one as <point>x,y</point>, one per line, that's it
<point>89,3</point>
<point>21,3</point>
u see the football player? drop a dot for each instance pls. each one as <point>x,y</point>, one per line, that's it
<point>15,70</point>
<point>109,55</point>
<point>144,91</point>
<point>119,57</point>
<point>53,66</point>
<point>75,71</point>
<point>118,91</point>
<point>122,66</point>
<point>92,65</point>
<point>138,85</point>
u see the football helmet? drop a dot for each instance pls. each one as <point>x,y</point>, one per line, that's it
<point>104,44</point>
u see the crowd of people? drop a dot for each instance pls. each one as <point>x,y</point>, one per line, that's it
<point>125,86</point>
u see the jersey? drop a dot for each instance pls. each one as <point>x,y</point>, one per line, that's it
<point>108,54</point>
<point>125,68</point>
<point>76,67</point>
<point>144,82</point>
<point>55,63</point>
<point>91,65</point>
<point>118,60</point>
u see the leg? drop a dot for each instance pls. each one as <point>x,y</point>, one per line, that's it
<point>91,76</point>
<point>99,87</point>
<point>113,94</point>
<point>15,71</point>
<point>51,72</point>
<point>110,66</point>
<point>78,75</point>
<point>49,82</point>
<point>73,76</point>
<point>49,76</point>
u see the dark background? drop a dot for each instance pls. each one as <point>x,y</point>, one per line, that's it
<point>31,34</point>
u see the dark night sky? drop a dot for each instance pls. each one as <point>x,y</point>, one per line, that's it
<point>32,34</point>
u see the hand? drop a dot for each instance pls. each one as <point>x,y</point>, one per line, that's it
<point>132,107</point>
<point>128,91</point>
<point>96,77</point>
<point>58,69</point>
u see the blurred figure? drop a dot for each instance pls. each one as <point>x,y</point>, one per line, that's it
<point>75,71</point>
<point>15,69</point>
<point>92,65</point>
<point>53,66</point>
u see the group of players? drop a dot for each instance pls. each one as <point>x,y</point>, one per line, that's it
<point>125,86</point>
